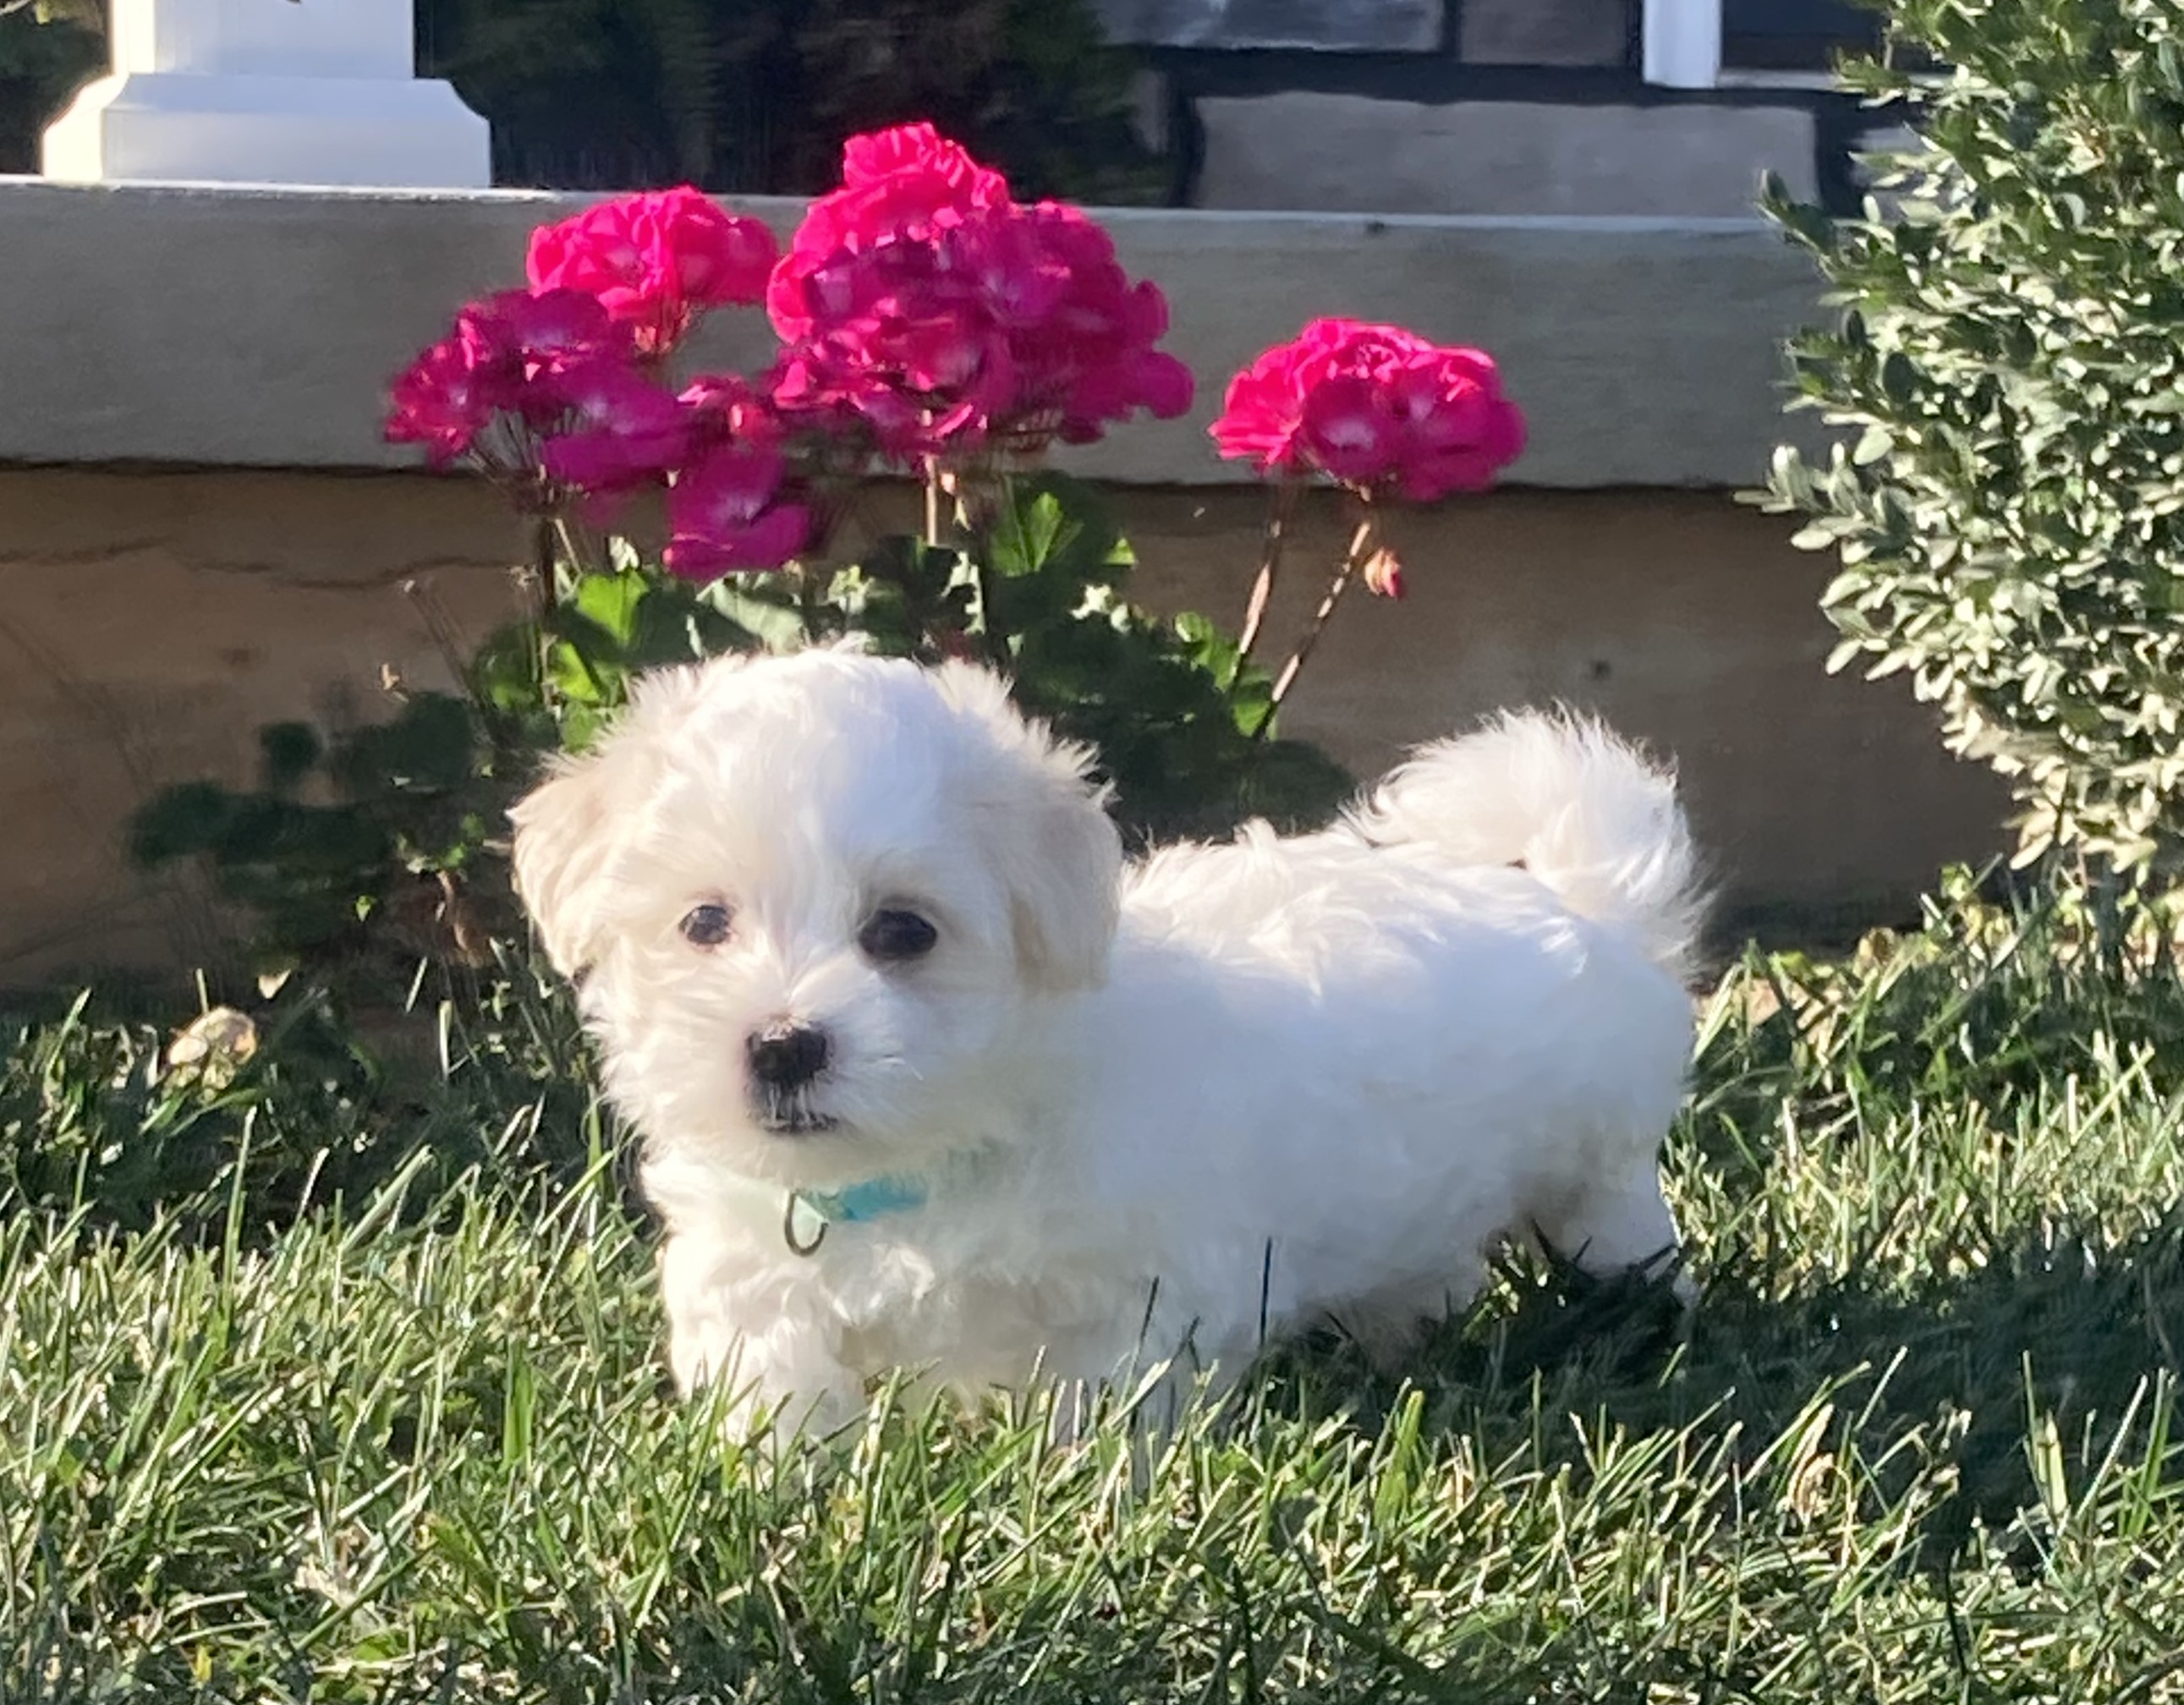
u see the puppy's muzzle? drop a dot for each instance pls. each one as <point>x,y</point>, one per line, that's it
<point>786,1058</point>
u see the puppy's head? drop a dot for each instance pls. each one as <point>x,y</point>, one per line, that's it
<point>810,898</point>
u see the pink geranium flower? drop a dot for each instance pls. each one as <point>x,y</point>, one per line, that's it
<point>512,354</point>
<point>909,153</point>
<point>619,433</point>
<point>440,401</point>
<point>1082,333</point>
<point>1376,408</point>
<point>924,304</point>
<point>927,317</point>
<point>529,342</point>
<point>823,389</point>
<point>655,261</point>
<point>730,511</point>
<point>904,184</point>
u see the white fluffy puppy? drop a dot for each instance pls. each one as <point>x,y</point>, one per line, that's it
<point>926,1079</point>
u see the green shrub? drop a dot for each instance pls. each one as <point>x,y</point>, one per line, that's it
<point>2007,508</point>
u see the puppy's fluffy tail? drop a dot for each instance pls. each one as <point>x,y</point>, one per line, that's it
<point>1585,811</point>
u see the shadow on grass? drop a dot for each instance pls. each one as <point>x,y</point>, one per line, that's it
<point>2072,1332</point>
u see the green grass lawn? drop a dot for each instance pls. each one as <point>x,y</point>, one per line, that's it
<point>340,1385</point>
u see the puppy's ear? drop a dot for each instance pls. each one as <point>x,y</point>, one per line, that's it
<point>564,836</point>
<point>1047,830</point>
<point>1063,866</point>
<point>570,829</point>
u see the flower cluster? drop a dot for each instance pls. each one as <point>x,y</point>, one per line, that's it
<point>556,391</point>
<point>922,304</point>
<point>926,315</point>
<point>1375,408</point>
<point>517,360</point>
<point>655,261</point>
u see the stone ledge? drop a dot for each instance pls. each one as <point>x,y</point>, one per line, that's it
<point>258,328</point>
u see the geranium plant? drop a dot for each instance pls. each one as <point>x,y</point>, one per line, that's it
<point>929,324</point>
<point>1384,414</point>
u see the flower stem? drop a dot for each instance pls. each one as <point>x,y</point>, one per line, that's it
<point>1279,514</point>
<point>542,571</point>
<point>1361,547</point>
<point>933,505</point>
<point>576,547</point>
<point>551,534</point>
<point>978,520</point>
<point>807,600</point>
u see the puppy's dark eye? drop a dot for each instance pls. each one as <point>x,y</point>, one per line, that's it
<point>707,926</point>
<point>896,935</point>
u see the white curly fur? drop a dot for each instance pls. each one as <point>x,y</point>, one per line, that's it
<point>1230,1093</point>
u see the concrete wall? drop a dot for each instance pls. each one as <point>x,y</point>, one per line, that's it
<point>199,532</point>
<point>151,621</point>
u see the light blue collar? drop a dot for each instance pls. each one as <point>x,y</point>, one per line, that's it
<point>874,1199</point>
<point>807,1213</point>
<point>805,1219</point>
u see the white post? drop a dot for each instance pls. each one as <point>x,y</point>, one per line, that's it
<point>1683,43</point>
<point>287,92</point>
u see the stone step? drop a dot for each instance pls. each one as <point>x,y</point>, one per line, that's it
<point>1307,151</point>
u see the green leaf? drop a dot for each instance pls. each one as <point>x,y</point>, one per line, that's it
<point>879,610</point>
<point>762,606</point>
<point>1054,525</point>
<point>507,674</point>
<point>611,603</point>
<point>581,674</point>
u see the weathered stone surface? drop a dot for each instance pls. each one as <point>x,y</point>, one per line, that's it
<point>1346,26</point>
<point>1351,154</point>
<point>1544,32</point>
<point>155,621</point>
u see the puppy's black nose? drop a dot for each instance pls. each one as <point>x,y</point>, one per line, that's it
<point>786,1054</point>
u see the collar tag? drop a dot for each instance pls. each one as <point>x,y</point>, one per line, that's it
<point>802,1227</point>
